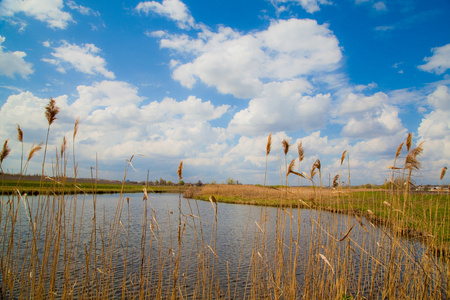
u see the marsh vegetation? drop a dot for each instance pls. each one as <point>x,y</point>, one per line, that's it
<point>295,243</point>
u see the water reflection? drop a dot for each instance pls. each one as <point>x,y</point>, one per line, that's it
<point>133,245</point>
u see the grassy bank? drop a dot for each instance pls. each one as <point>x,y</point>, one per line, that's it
<point>34,187</point>
<point>420,215</point>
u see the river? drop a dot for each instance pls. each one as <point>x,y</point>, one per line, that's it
<point>128,245</point>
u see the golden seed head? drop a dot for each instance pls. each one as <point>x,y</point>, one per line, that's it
<point>411,161</point>
<point>408,141</point>
<point>180,171</point>
<point>19,134</point>
<point>335,181</point>
<point>5,151</point>
<point>269,144</point>
<point>34,149</point>
<point>444,169</point>
<point>75,127</point>
<point>399,150</point>
<point>313,171</point>
<point>317,164</point>
<point>291,167</point>
<point>51,110</point>
<point>286,145</point>
<point>63,146</point>
<point>343,156</point>
<point>301,152</point>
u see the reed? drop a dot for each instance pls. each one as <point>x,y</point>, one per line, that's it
<point>50,249</point>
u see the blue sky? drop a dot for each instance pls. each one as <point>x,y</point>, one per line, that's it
<point>206,82</point>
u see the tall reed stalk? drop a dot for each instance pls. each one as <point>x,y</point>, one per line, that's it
<point>50,249</point>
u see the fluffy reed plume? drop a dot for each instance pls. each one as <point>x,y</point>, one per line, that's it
<point>268,147</point>
<point>286,145</point>
<point>291,167</point>
<point>180,171</point>
<point>34,149</point>
<point>269,144</point>
<point>336,181</point>
<point>343,156</point>
<point>411,161</point>
<point>301,152</point>
<point>20,139</point>
<point>75,127</point>
<point>75,131</point>
<point>19,134</point>
<point>51,110</point>
<point>63,146</point>
<point>5,151</point>
<point>444,169</point>
<point>313,172</point>
<point>317,164</point>
<point>399,150</point>
<point>408,141</point>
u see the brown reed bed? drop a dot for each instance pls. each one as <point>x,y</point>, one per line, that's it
<point>294,253</point>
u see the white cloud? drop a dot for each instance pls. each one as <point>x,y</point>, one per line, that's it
<point>369,117</point>
<point>380,6</point>
<point>290,112</point>
<point>436,124</point>
<point>310,6</point>
<point>13,62</point>
<point>358,103</point>
<point>440,98</point>
<point>115,125</point>
<point>435,131</point>
<point>384,28</point>
<point>82,9</point>
<point>382,122</point>
<point>238,64</point>
<point>173,9</point>
<point>439,63</point>
<point>102,95</point>
<point>49,11</point>
<point>83,58</point>
<point>24,108</point>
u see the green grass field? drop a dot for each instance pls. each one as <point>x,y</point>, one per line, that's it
<point>419,215</point>
<point>58,187</point>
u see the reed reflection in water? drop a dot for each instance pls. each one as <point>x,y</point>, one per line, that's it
<point>113,246</point>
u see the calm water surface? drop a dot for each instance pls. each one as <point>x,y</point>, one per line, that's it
<point>226,240</point>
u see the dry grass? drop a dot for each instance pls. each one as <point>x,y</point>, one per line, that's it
<point>45,255</point>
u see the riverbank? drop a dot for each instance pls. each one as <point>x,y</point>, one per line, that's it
<point>422,216</point>
<point>32,185</point>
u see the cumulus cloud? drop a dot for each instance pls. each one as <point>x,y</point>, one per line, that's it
<point>49,11</point>
<point>310,6</point>
<point>384,28</point>
<point>436,124</point>
<point>380,6</point>
<point>82,58</point>
<point>239,64</point>
<point>439,63</point>
<point>13,62</point>
<point>82,9</point>
<point>367,117</point>
<point>25,107</point>
<point>434,130</point>
<point>358,103</point>
<point>283,106</point>
<point>115,124</point>
<point>173,9</point>
<point>270,67</point>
